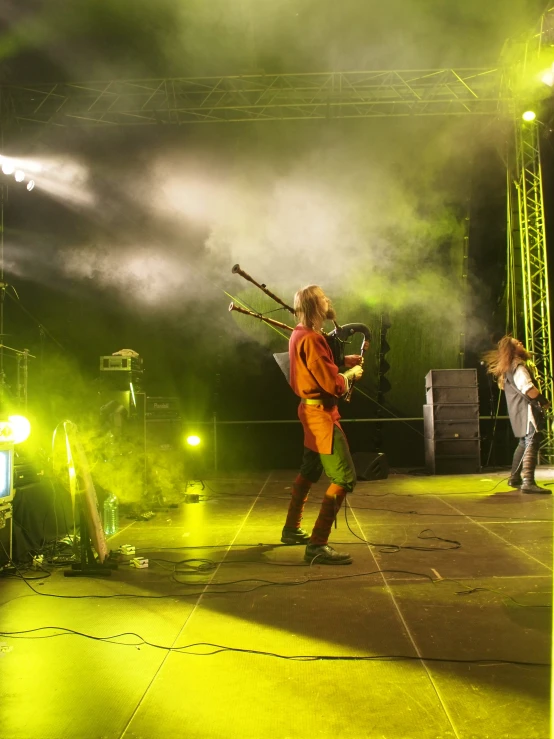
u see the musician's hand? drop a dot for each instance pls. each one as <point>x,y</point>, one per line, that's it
<point>355,372</point>
<point>366,346</point>
<point>352,360</point>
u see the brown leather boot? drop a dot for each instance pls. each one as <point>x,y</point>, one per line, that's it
<point>292,533</point>
<point>318,551</point>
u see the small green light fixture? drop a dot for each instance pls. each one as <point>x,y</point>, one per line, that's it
<point>529,116</point>
<point>193,440</point>
<point>21,428</point>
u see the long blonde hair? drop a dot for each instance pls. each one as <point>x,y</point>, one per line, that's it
<point>501,360</point>
<point>308,308</point>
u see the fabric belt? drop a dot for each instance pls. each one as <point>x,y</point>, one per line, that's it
<point>317,401</point>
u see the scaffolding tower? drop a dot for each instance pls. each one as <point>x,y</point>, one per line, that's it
<point>528,303</point>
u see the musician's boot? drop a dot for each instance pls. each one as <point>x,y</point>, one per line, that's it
<point>515,480</point>
<point>292,533</point>
<point>318,551</point>
<point>529,464</point>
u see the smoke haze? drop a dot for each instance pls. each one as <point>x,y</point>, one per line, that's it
<point>153,220</point>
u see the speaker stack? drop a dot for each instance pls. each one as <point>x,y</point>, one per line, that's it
<point>451,422</point>
<point>163,425</point>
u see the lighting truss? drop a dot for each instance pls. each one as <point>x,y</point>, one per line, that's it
<point>536,306</point>
<point>528,300</point>
<point>435,92</point>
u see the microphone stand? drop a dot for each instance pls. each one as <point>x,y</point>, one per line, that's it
<point>493,415</point>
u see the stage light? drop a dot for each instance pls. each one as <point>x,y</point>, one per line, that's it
<point>193,440</point>
<point>8,167</point>
<point>21,428</point>
<point>529,116</point>
<point>30,185</point>
<point>19,175</point>
<point>6,474</point>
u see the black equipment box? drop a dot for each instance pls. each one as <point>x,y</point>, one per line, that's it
<point>452,386</point>
<point>451,378</point>
<point>451,422</point>
<point>453,412</point>
<point>450,395</point>
<point>454,447</point>
<point>370,465</point>
<point>463,459</point>
<point>450,428</point>
<point>163,435</point>
<point>159,409</point>
<point>116,363</point>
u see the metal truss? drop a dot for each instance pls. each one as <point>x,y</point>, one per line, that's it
<point>534,266</point>
<point>528,304</point>
<point>436,92</point>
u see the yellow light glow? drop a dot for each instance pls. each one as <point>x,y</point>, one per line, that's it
<point>529,116</point>
<point>193,440</point>
<point>21,428</point>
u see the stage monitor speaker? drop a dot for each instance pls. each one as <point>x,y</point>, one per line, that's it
<point>371,465</point>
<point>163,435</point>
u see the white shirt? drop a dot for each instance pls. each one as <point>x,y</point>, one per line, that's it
<point>523,382</point>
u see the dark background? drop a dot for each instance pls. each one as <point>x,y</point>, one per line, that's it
<point>194,349</point>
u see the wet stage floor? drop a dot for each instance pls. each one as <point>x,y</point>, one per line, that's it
<point>440,628</point>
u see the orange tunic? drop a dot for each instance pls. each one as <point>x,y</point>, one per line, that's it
<point>314,374</point>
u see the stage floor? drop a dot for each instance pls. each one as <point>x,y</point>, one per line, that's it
<point>429,641</point>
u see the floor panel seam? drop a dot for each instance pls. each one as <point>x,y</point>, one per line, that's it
<point>490,531</point>
<point>410,635</point>
<point>195,607</point>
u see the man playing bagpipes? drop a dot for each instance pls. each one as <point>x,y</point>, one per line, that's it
<point>318,382</point>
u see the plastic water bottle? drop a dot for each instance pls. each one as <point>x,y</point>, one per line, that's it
<point>111,515</point>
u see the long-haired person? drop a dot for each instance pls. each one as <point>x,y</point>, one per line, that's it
<point>508,364</point>
<point>318,382</point>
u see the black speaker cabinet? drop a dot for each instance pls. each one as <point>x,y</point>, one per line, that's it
<point>163,435</point>
<point>444,422</point>
<point>370,465</point>
<point>451,422</point>
<point>452,386</point>
<point>452,457</point>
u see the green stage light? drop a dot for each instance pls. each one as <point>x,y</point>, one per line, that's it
<point>193,440</point>
<point>529,116</point>
<point>21,428</point>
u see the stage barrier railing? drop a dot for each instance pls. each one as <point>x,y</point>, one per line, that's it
<point>215,422</point>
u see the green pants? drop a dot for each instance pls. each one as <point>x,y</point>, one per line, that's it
<point>338,466</point>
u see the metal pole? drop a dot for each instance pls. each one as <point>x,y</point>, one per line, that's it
<point>215,441</point>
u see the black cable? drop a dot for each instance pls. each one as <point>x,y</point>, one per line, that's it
<point>417,431</point>
<point>218,648</point>
<point>470,590</point>
<point>18,570</point>
<point>394,548</point>
<point>262,584</point>
<point>447,515</point>
<point>40,325</point>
